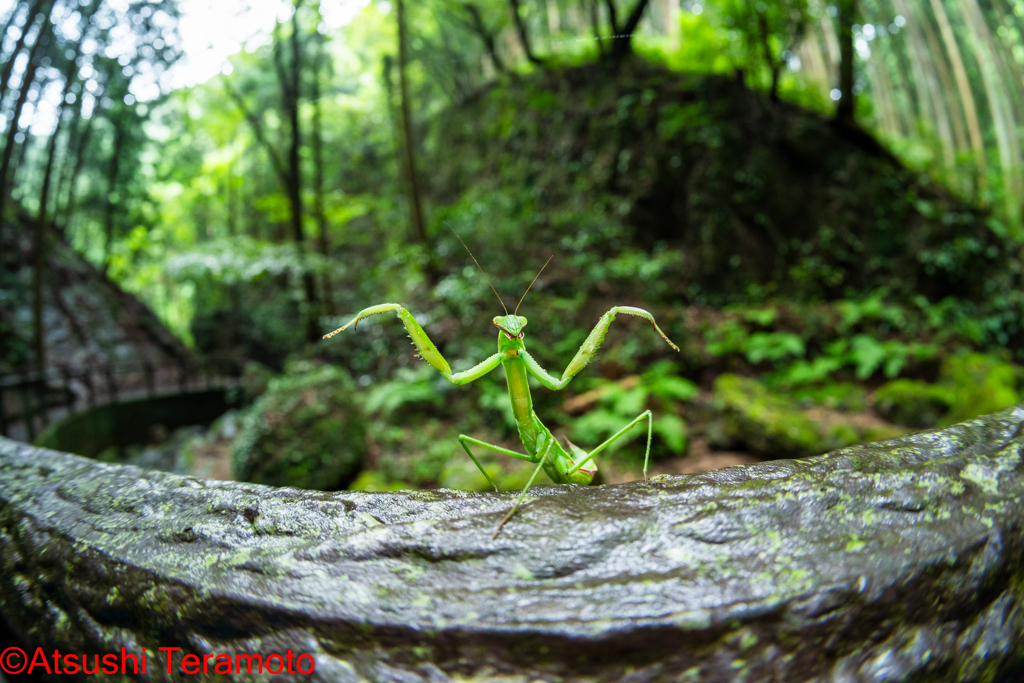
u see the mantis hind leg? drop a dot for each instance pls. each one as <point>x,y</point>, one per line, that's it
<point>522,495</point>
<point>463,439</point>
<point>646,415</point>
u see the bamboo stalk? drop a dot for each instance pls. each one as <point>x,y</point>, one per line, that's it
<point>925,81</point>
<point>1002,117</point>
<point>963,86</point>
<point>882,87</point>
<point>938,61</point>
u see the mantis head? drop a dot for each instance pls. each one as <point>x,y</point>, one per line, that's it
<point>511,325</point>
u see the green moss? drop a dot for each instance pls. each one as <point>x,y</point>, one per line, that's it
<point>981,384</point>
<point>971,384</point>
<point>371,480</point>
<point>774,425</point>
<point>305,431</point>
<point>761,421</point>
<point>833,395</point>
<point>764,422</point>
<point>913,403</point>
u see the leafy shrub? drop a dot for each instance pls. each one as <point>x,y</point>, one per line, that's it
<point>416,387</point>
<point>621,402</point>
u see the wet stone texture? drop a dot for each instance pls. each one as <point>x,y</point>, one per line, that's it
<point>894,561</point>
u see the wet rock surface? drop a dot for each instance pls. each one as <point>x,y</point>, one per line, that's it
<point>899,560</point>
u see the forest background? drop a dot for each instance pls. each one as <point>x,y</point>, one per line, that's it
<point>821,202</point>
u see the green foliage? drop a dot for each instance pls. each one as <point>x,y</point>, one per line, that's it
<point>832,395</point>
<point>771,31</point>
<point>981,383</point>
<point>307,430</point>
<point>621,402</point>
<point>412,388</point>
<point>913,403</point>
<point>857,338</point>
<point>971,384</point>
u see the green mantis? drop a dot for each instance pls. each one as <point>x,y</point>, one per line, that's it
<point>567,464</point>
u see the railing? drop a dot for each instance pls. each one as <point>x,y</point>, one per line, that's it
<point>31,400</point>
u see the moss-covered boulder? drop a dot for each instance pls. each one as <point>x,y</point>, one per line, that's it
<point>913,403</point>
<point>971,384</point>
<point>306,431</point>
<point>980,384</point>
<point>773,425</point>
<point>898,561</point>
<point>760,421</point>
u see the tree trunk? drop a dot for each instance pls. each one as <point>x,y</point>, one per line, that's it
<point>81,147</point>
<point>882,88</point>
<point>231,218</point>
<point>963,85</point>
<point>1002,116</point>
<point>42,221</point>
<point>486,36</point>
<point>415,205</point>
<point>318,181</point>
<point>524,37</point>
<point>292,93</point>
<point>622,45</point>
<point>113,169</point>
<point>5,74</point>
<point>929,92</point>
<point>11,18</point>
<point>764,35</point>
<point>845,109</point>
<point>948,91</point>
<point>595,25</point>
<point>42,38</point>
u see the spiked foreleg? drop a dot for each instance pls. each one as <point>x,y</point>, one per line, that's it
<point>588,350</point>
<point>596,336</point>
<point>428,351</point>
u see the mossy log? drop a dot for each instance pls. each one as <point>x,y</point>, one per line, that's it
<point>899,560</point>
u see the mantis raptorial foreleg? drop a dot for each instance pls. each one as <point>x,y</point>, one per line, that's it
<point>589,348</point>
<point>428,351</point>
<point>596,336</point>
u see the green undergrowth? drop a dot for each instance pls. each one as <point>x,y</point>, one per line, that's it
<point>414,418</point>
<point>822,294</point>
<point>777,379</point>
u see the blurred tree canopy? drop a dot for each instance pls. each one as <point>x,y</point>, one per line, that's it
<point>317,172</point>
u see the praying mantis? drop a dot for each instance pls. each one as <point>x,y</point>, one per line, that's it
<point>564,465</point>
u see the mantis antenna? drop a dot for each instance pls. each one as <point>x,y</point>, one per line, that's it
<point>482,270</point>
<point>531,284</point>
